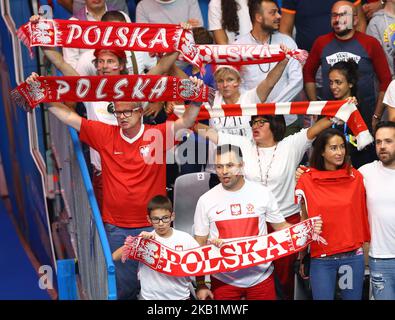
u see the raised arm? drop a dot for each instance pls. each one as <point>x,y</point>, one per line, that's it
<point>318,127</point>
<point>266,85</point>
<point>206,132</point>
<point>60,110</point>
<point>66,115</point>
<point>55,56</point>
<point>287,21</point>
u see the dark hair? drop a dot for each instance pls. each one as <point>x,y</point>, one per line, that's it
<point>384,124</point>
<point>316,158</point>
<point>230,19</point>
<point>202,36</point>
<point>349,69</point>
<point>113,16</point>
<point>159,202</point>
<point>230,148</point>
<point>277,125</point>
<point>254,7</point>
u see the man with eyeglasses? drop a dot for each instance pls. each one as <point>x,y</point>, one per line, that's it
<point>106,62</point>
<point>133,158</point>
<point>346,43</point>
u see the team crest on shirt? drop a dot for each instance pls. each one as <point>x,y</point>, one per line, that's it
<point>179,247</point>
<point>235,209</point>
<point>250,208</point>
<point>145,150</point>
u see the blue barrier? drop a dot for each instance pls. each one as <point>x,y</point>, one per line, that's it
<point>112,291</point>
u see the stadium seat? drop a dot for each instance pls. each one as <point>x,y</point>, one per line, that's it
<point>187,190</point>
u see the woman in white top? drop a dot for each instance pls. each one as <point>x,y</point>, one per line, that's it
<point>228,82</point>
<point>271,159</point>
<point>228,19</point>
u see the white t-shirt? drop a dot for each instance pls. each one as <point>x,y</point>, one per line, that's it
<point>291,81</point>
<point>231,125</point>
<point>235,215</point>
<point>380,197</point>
<point>98,111</point>
<point>159,286</point>
<point>281,175</point>
<point>215,19</point>
<point>389,96</point>
<point>85,66</point>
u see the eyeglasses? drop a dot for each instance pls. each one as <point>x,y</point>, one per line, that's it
<point>156,220</point>
<point>340,15</point>
<point>125,113</point>
<point>259,122</point>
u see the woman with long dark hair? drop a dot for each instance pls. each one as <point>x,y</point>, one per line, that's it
<point>343,79</point>
<point>334,190</point>
<point>228,19</point>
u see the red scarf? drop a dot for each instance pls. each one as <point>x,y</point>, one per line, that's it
<point>111,35</point>
<point>233,255</point>
<point>240,54</point>
<point>341,109</point>
<point>108,88</point>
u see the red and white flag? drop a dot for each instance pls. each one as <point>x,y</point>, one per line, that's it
<point>341,109</point>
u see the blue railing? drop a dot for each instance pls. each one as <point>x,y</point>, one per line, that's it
<point>112,289</point>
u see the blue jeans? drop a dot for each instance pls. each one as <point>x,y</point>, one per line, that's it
<point>382,278</point>
<point>128,286</point>
<point>323,276</point>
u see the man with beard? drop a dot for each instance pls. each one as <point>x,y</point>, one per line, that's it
<point>379,179</point>
<point>345,43</point>
<point>235,209</point>
<point>265,18</point>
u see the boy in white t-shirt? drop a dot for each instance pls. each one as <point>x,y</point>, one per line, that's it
<point>155,285</point>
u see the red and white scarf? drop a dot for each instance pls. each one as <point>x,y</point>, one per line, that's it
<point>108,88</point>
<point>341,109</point>
<point>233,255</point>
<point>111,35</point>
<point>241,54</point>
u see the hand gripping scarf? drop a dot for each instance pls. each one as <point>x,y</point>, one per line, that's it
<point>233,255</point>
<point>340,109</point>
<point>108,88</point>
<point>112,36</point>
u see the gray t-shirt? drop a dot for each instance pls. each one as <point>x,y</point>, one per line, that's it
<point>173,12</point>
<point>382,27</point>
<point>116,4</point>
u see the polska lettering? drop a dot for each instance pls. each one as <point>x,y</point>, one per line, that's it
<point>109,35</point>
<point>231,256</point>
<point>108,88</point>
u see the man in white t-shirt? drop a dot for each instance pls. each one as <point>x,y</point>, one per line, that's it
<point>389,100</point>
<point>235,209</point>
<point>265,19</point>
<point>379,179</point>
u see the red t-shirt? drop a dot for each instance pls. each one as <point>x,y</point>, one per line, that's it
<point>340,198</point>
<point>131,177</point>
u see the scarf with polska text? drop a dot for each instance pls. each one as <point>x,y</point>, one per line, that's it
<point>108,88</point>
<point>112,36</point>
<point>340,109</point>
<point>231,256</point>
<point>242,54</point>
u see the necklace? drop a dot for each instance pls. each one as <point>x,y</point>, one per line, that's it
<point>259,42</point>
<point>268,167</point>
